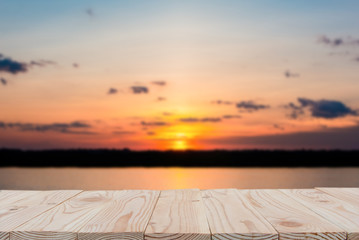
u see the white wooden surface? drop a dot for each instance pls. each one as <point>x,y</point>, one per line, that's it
<point>26,206</point>
<point>341,213</point>
<point>179,214</point>
<point>64,221</point>
<point>290,218</point>
<point>230,216</point>
<point>223,214</point>
<point>124,217</point>
<point>350,195</point>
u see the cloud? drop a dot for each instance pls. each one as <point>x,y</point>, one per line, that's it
<point>336,42</point>
<point>159,83</point>
<point>71,128</point>
<point>345,53</point>
<point>112,91</point>
<point>167,114</point>
<point>195,120</point>
<point>153,124</point>
<point>151,133</point>
<point>332,42</point>
<point>296,111</point>
<point>289,74</point>
<point>14,67</point>
<point>321,108</point>
<point>160,99</point>
<point>251,106</point>
<point>231,116</point>
<point>75,65</point>
<point>90,12</point>
<point>42,63</point>
<point>3,81</point>
<point>139,89</point>
<point>123,132</point>
<point>277,126</point>
<point>329,138</point>
<point>222,102</point>
<point>11,66</point>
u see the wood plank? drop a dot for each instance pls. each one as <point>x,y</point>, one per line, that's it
<point>65,220</point>
<point>350,195</point>
<point>179,214</point>
<point>335,210</point>
<point>230,216</point>
<point>290,218</point>
<point>125,217</point>
<point>25,205</point>
<point>10,196</point>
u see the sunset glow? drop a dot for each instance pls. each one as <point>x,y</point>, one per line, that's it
<point>179,75</point>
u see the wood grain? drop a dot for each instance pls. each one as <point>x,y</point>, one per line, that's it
<point>21,206</point>
<point>230,216</point>
<point>179,214</point>
<point>125,217</point>
<point>335,210</point>
<point>290,218</point>
<point>350,195</point>
<point>323,213</point>
<point>65,220</point>
<point>10,196</point>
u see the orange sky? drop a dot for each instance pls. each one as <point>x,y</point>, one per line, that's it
<point>183,75</point>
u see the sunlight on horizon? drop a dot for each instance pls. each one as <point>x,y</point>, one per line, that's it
<point>179,74</point>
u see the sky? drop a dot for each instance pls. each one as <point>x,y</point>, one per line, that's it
<point>204,74</point>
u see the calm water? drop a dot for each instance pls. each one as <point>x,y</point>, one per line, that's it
<point>170,178</point>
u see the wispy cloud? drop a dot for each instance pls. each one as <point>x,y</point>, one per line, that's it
<point>11,66</point>
<point>154,124</point>
<point>76,127</point>
<point>251,106</point>
<point>139,89</point>
<point>339,41</point>
<point>320,108</point>
<point>3,81</point>
<point>289,74</point>
<point>90,12</point>
<point>277,126</point>
<point>222,102</point>
<point>295,111</point>
<point>123,132</point>
<point>196,120</point>
<point>161,99</point>
<point>159,83</point>
<point>231,116</point>
<point>75,65</point>
<point>42,63</point>
<point>112,91</point>
<point>167,114</point>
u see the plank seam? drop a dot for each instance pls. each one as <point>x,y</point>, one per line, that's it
<point>102,207</point>
<point>209,227</point>
<point>11,232</point>
<point>278,234</point>
<point>346,233</point>
<point>149,219</point>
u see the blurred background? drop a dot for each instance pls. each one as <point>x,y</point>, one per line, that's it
<point>175,76</point>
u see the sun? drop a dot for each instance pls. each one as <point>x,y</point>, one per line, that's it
<point>179,137</point>
<point>180,145</point>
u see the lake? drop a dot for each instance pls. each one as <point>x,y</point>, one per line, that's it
<point>173,178</point>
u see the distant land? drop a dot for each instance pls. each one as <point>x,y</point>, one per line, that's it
<point>189,158</point>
